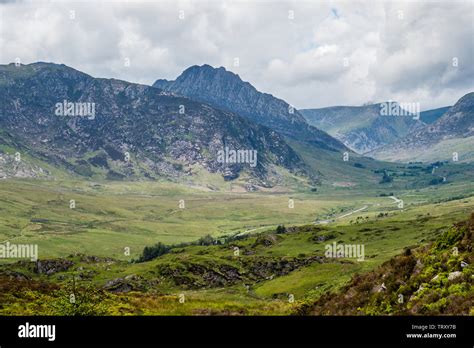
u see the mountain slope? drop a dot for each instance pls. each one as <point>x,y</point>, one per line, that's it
<point>431,116</point>
<point>225,90</point>
<point>361,128</point>
<point>452,132</point>
<point>136,131</point>
<point>432,280</point>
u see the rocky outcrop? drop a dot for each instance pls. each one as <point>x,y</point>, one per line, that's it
<point>50,267</point>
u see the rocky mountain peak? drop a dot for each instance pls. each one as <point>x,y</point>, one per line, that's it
<point>227,91</point>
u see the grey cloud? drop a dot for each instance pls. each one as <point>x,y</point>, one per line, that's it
<point>299,59</point>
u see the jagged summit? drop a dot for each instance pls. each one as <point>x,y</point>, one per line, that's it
<point>226,90</point>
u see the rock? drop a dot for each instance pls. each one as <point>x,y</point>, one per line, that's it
<point>266,240</point>
<point>118,285</point>
<point>49,267</point>
<point>16,275</point>
<point>132,277</point>
<point>454,275</point>
<point>251,188</point>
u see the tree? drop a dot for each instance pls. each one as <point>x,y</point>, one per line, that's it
<point>79,301</point>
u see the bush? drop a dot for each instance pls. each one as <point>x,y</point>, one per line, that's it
<point>449,238</point>
<point>75,301</point>
<point>206,240</point>
<point>150,253</point>
<point>386,178</point>
<point>436,181</point>
<point>280,229</point>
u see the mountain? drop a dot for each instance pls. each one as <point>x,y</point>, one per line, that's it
<point>452,132</point>
<point>363,128</point>
<point>109,128</point>
<point>431,116</point>
<point>225,90</point>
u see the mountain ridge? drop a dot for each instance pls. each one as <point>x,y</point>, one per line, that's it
<point>131,118</point>
<point>362,128</point>
<point>226,90</point>
<point>450,133</point>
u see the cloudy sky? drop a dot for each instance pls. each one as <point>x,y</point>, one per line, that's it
<point>310,53</point>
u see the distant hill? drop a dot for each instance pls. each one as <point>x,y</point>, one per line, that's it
<point>362,128</point>
<point>431,116</point>
<point>225,90</point>
<point>136,132</point>
<point>452,133</point>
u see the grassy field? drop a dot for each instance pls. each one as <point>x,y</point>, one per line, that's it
<point>110,216</point>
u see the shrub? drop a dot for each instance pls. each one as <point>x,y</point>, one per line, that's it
<point>206,240</point>
<point>75,301</point>
<point>150,253</point>
<point>280,229</point>
<point>386,178</point>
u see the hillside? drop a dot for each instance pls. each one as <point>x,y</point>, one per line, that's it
<point>136,131</point>
<point>226,90</point>
<point>429,280</point>
<point>431,116</point>
<point>361,128</point>
<point>452,132</point>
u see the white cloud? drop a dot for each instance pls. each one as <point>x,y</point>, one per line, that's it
<point>396,50</point>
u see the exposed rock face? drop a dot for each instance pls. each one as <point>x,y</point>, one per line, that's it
<point>136,131</point>
<point>13,166</point>
<point>252,269</point>
<point>225,90</point>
